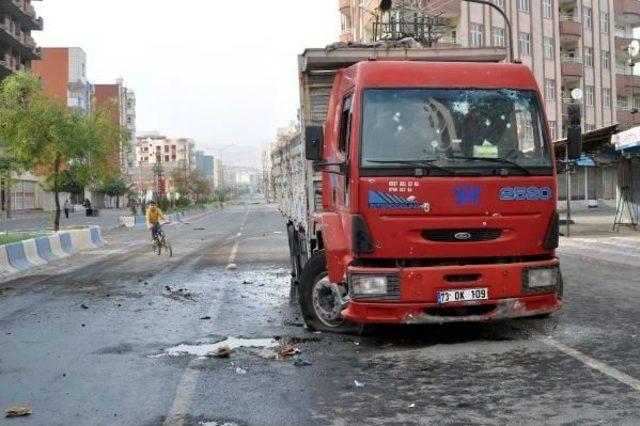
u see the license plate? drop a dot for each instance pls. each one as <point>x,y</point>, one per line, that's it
<point>463,295</point>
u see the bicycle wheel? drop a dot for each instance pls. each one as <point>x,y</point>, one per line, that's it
<point>158,247</point>
<point>167,248</point>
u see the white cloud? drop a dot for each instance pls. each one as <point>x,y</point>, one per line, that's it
<point>220,72</point>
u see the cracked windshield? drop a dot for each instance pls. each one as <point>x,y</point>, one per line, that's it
<point>464,128</point>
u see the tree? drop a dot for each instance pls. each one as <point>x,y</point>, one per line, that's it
<point>116,186</point>
<point>45,135</point>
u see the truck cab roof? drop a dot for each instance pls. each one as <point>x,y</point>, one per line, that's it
<point>440,75</point>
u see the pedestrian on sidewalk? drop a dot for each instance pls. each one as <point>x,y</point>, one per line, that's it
<point>67,207</point>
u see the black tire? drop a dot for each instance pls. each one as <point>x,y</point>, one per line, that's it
<point>315,272</point>
<point>158,247</point>
<point>294,255</point>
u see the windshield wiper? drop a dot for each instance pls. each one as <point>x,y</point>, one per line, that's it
<point>494,160</point>
<point>429,164</point>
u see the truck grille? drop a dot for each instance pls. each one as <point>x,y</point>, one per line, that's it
<point>461,235</point>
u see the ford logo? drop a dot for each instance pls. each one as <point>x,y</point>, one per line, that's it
<point>462,236</point>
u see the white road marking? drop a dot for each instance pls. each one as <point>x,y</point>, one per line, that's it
<point>593,363</point>
<point>180,406</point>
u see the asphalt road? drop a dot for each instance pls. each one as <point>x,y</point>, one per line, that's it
<point>97,341</point>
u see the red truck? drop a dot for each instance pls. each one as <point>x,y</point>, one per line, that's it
<point>427,195</point>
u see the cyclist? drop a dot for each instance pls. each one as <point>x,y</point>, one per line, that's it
<point>154,216</point>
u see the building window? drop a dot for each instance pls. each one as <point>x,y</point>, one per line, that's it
<point>549,90</point>
<point>166,148</point>
<point>523,6</point>
<point>622,103</point>
<point>604,22</point>
<point>552,129</point>
<point>499,3</point>
<point>606,62</point>
<point>476,33</point>
<point>636,101</point>
<point>166,158</point>
<point>588,56</point>
<point>549,48</point>
<point>606,98</point>
<point>525,44</point>
<point>587,15</point>
<point>547,8</point>
<point>345,22</point>
<point>498,36</point>
<point>589,95</point>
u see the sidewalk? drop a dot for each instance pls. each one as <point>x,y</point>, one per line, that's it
<point>593,222</point>
<point>38,220</point>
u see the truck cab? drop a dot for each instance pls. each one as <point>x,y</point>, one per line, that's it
<point>438,197</point>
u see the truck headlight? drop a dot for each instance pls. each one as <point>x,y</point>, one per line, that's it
<point>372,286</point>
<point>541,278</point>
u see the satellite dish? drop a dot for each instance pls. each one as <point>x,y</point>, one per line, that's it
<point>576,94</point>
<point>634,48</point>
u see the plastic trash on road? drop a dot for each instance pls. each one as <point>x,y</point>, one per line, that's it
<point>358,384</point>
<point>300,361</point>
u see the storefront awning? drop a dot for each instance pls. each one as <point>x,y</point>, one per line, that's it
<point>627,140</point>
<point>592,141</point>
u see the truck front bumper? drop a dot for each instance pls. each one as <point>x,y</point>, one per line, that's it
<point>417,304</point>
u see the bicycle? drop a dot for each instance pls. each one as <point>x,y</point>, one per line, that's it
<point>161,241</point>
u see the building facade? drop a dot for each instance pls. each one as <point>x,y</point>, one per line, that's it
<point>123,99</point>
<point>205,164</point>
<point>568,44</point>
<point>18,19</point>
<point>63,73</point>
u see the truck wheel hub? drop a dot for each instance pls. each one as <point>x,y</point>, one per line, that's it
<point>327,302</point>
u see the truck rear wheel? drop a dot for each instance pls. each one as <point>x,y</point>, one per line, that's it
<point>294,253</point>
<point>320,300</point>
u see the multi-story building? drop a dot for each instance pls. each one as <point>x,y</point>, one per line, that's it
<point>205,164</point>
<point>124,101</point>
<point>218,173</point>
<point>63,73</point>
<point>568,44</point>
<point>17,47</point>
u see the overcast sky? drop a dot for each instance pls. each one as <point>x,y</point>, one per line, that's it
<point>220,72</point>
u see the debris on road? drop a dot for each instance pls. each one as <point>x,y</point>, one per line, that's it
<point>231,342</point>
<point>206,318</point>
<point>240,370</point>
<point>83,306</point>
<point>232,266</point>
<point>358,384</point>
<point>17,412</point>
<point>221,352</point>
<point>289,352</point>
<point>245,282</point>
<point>180,294</point>
<point>300,361</point>
<point>412,405</point>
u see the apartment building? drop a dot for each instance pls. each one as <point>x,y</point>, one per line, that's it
<point>63,73</point>
<point>18,19</point>
<point>205,164</point>
<point>568,44</point>
<point>123,99</point>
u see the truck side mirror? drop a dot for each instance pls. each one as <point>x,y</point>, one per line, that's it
<point>314,142</point>
<point>574,142</point>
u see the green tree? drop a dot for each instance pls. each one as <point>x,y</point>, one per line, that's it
<point>116,186</point>
<point>44,134</point>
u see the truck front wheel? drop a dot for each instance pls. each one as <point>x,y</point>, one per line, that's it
<point>320,300</point>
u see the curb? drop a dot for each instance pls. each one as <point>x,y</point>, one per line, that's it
<point>27,254</point>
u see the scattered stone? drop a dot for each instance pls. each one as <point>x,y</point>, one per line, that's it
<point>358,384</point>
<point>240,370</point>
<point>166,287</point>
<point>64,374</point>
<point>206,318</point>
<point>119,305</point>
<point>232,266</point>
<point>247,282</point>
<point>83,306</point>
<point>82,325</point>
<point>300,361</point>
<point>17,412</point>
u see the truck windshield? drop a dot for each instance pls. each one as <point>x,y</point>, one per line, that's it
<point>454,128</point>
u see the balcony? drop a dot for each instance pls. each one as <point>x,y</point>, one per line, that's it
<point>23,12</point>
<point>622,43</point>
<point>570,27</point>
<point>20,42</point>
<point>626,116</point>
<point>626,81</point>
<point>627,11</point>
<point>571,67</point>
